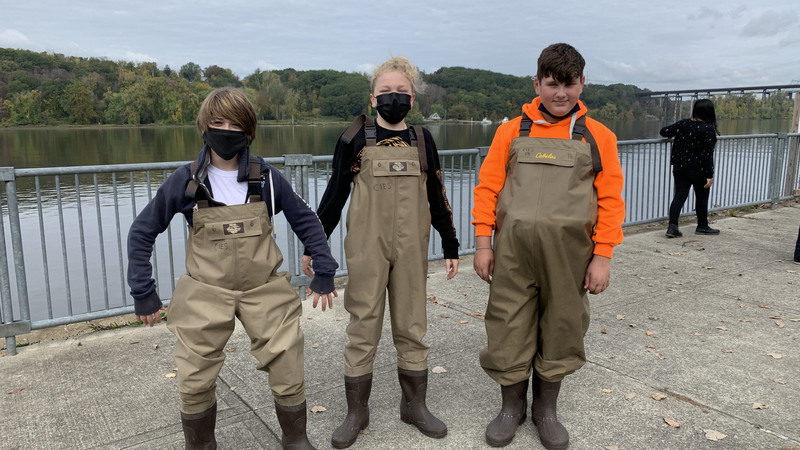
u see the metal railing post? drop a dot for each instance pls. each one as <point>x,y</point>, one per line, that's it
<point>777,166</point>
<point>9,328</point>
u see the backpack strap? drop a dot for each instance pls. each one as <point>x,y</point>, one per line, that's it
<point>579,132</point>
<point>353,129</point>
<point>417,137</point>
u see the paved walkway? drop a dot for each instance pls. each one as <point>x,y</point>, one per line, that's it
<point>707,323</point>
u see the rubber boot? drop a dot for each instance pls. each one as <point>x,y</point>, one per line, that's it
<point>673,231</point>
<point>198,429</point>
<point>545,396</point>
<point>357,390</point>
<point>414,386</point>
<point>502,429</point>
<point>293,426</point>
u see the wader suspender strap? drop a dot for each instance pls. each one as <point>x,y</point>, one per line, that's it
<point>418,139</point>
<point>253,185</point>
<point>579,131</point>
<point>372,136</point>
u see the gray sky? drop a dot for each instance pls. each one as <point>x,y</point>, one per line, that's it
<point>659,45</point>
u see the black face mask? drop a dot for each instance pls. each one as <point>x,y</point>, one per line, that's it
<point>225,143</point>
<point>393,106</point>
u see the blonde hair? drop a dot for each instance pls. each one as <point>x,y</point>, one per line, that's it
<point>402,65</point>
<point>228,103</point>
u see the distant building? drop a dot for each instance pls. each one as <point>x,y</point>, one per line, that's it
<point>434,116</point>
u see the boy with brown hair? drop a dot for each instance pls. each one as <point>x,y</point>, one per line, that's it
<point>229,200</point>
<point>550,191</point>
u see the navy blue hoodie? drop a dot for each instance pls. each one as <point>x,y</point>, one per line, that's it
<point>171,199</point>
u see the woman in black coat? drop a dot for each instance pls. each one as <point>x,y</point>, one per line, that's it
<point>692,161</point>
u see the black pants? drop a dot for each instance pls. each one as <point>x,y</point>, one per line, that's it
<point>683,181</point>
<point>797,248</point>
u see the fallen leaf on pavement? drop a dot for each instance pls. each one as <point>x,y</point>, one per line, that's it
<point>630,396</point>
<point>339,319</point>
<point>649,333</point>
<point>722,328</point>
<point>439,369</point>
<point>779,324</point>
<point>445,316</point>
<point>707,267</point>
<point>775,355</point>
<point>633,325</point>
<point>779,380</point>
<point>672,423</point>
<point>713,435</point>
<point>620,317</point>
<point>764,306</point>
<point>759,406</point>
<point>170,375</point>
<point>17,390</point>
<point>774,317</point>
<point>658,397</point>
<point>155,346</point>
<point>607,391</point>
<point>316,345</point>
<point>318,409</point>
<point>794,320</point>
<point>463,322</point>
<point>604,331</point>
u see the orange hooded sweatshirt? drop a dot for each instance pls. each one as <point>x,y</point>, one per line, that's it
<point>608,183</point>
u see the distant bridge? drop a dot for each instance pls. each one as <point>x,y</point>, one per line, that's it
<point>671,100</point>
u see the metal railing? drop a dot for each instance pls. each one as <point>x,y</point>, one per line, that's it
<point>67,226</point>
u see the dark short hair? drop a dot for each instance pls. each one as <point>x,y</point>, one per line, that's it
<point>561,61</point>
<point>228,103</point>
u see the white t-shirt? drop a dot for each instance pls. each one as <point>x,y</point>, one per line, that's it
<point>225,186</point>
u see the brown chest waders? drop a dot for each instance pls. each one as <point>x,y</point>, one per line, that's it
<point>538,310</point>
<point>388,227</point>
<point>232,264</point>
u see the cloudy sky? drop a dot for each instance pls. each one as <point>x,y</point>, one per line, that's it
<point>659,45</point>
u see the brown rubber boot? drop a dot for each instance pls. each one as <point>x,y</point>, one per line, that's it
<point>293,426</point>
<point>198,429</point>
<point>357,390</point>
<point>414,386</point>
<point>545,395</point>
<point>502,429</point>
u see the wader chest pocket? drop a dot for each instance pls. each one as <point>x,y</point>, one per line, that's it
<point>235,228</point>
<point>533,155</point>
<point>395,168</point>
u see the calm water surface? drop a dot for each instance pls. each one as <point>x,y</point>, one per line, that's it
<point>49,147</point>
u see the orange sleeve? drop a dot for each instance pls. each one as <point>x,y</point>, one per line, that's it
<point>608,185</point>
<point>492,178</point>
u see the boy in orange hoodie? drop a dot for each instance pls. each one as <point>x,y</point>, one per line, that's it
<point>550,191</point>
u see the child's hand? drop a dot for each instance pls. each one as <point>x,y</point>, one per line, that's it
<point>452,268</point>
<point>151,319</point>
<point>598,274</point>
<point>483,263</point>
<point>327,299</point>
<point>306,265</point>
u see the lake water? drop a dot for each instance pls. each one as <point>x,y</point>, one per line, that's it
<point>50,147</point>
<point>84,291</point>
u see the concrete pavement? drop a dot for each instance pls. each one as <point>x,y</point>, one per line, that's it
<point>709,323</point>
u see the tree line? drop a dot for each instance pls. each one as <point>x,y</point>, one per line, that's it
<point>54,89</point>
